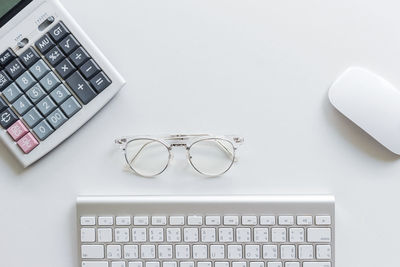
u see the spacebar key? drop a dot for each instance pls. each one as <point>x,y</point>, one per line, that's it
<point>81,87</point>
<point>94,264</point>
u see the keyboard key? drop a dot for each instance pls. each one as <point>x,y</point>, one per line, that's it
<point>79,56</point>
<point>27,143</point>
<point>173,234</point>
<point>57,118</point>
<point>49,82</point>
<point>100,82</point>
<point>208,235</point>
<point>304,220</point>
<point>123,220</point>
<point>59,31</point>
<point>323,220</point>
<point>261,235</point>
<point>249,220</point>
<point>81,87</point>
<point>235,252</point>
<point>158,220</point>
<point>106,220</point>
<point>176,220</point>
<point>316,264</point>
<point>306,252</point>
<point>139,234</point>
<point>104,235</point>
<point>60,94</point>
<point>221,264</point>
<point>46,106</point>
<point>252,252</point>
<point>278,234</point>
<point>141,220</point>
<point>147,251</point>
<point>324,252</point>
<point>131,251</point>
<point>165,251</point>
<point>88,235</point>
<point>15,68</point>
<point>243,235</point>
<point>213,220</point>
<point>274,264</point>
<point>32,117</point>
<point>292,264</point>
<point>121,235</point>
<point>70,107</point>
<point>217,252</point>
<point>286,220</point>
<point>7,118</point>
<point>319,235</point>
<point>267,220</point>
<point>195,220</point>
<point>43,130</point>
<point>54,56</point>
<point>270,252</point>
<point>199,252</point>
<point>25,81</point>
<point>29,57</point>
<point>17,130</point>
<point>22,105</point>
<point>225,235</point>
<point>92,251</point>
<point>118,264</point>
<point>6,57</point>
<point>36,93</point>
<point>135,264</point>
<point>152,264</point>
<point>5,80</point>
<point>296,235</point>
<point>3,104</point>
<point>44,44</point>
<point>12,92</point>
<point>69,44</point>
<point>156,234</point>
<point>288,252</point>
<point>89,69</point>
<point>182,251</point>
<point>231,220</point>
<point>191,235</point>
<point>39,69</point>
<point>95,264</point>
<point>88,220</point>
<point>65,68</point>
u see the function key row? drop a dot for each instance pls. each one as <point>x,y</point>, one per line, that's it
<point>230,220</point>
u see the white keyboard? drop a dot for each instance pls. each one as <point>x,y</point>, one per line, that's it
<point>206,231</point>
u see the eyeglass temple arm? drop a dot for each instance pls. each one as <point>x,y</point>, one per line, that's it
<point>140,150</point>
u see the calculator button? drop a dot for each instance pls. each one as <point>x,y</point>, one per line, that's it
<point>65,68</point>
<point>81,87</point>
<point>36,93</point>
<point>44,44</point>
<point>22,105</point>
<point>59,31</point>
<point>7,118</point>
<point>5,80</point>
<point>3,104</point>
<point>43,130</point>
<point>28,143</point>
<point>79,56</point>
<point>15,68</point>
<point>12,92</point>
<point>17,130</point>
<point>49,82</point>
<point>6,57</point>
<point>60,94</point>
<point>69,44</point>
<point>56,118</point>
<point>25,81</point>
<point>70,107</point>
<point>100,82</point>
<point>29,57</point>
<point>32,117</point>
<point>39,69</point>
<point>54,56</point>
<point>46,106</point>
<point>89,69</point>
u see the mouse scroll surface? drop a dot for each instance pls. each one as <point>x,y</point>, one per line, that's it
<point>371,102</point>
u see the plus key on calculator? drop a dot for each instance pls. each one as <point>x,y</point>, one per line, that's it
<point>51,84</point>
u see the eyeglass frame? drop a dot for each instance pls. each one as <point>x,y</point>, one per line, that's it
<point>191,139</point>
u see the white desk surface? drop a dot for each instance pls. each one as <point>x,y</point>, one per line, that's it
<point>257,68</point>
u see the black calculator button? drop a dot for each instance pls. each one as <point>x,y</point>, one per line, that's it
<point>6,57</point>
<point>54,56</point>
<point>7,118</point>
<point>58,32</point>
<point>15,68</point>
<point>69,44</point>
<point>100,82</point>
<point>89,69</point>
<point>29,57</point>
<point>5,80</point>
<point>65,68</point>
<point>44,44</point>
<point>3,104</point>
<point>79,56</point>
<point>81,87</point>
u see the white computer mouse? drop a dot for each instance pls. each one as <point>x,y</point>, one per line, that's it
<point>371,102</point>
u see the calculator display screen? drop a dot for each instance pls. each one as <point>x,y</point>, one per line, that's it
<point>10,8</point>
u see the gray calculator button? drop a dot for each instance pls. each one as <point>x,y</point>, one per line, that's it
<point>56,118</point>
<point>70,107</point>
<point>32,117</point>
<point>12,92</point>
<point>36,93</point>
<point>25,81</point>
<point>39,69</point>
<point>46,106</point>
<point>22,105</point>
<point>60,94</point>
<point>49,82</point>
<point>43,130</point>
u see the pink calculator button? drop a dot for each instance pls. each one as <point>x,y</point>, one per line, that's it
<point>17,130</point>
<point>27,143</point>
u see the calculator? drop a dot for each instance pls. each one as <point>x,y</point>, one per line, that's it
<point>53,78</point>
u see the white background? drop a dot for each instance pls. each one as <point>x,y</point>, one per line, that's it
<point>257,68</point>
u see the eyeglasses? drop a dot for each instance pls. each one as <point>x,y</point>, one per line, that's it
<point>209,155</point>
